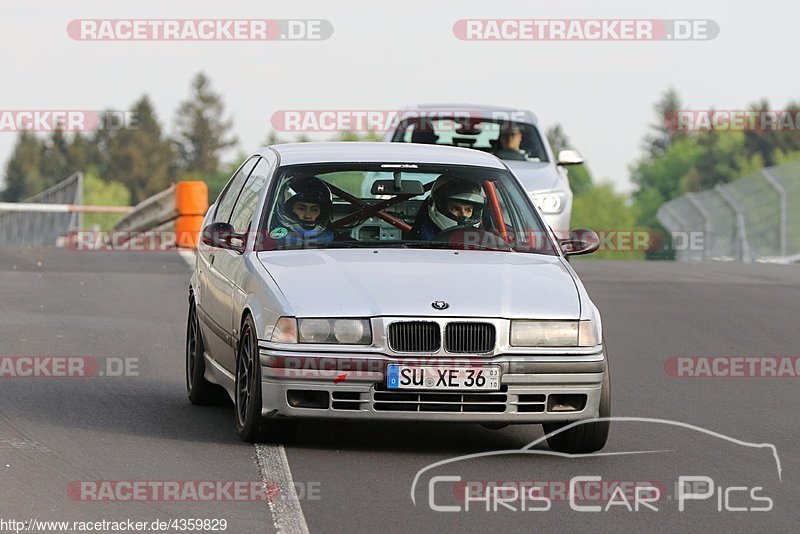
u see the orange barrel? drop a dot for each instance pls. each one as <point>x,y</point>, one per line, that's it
<point>187,230</point>
<point>191,198</point>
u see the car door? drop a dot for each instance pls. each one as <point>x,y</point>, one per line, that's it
<point>230,264</point>
<point>216,290</point>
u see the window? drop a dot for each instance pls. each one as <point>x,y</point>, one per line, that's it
<point>474,208</point>
<point>228,197</point>
<point>479,134</point>
<point>248,199</point>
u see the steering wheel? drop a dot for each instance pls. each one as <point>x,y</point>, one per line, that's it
<point>471,238</point>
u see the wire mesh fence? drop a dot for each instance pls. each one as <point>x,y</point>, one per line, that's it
<point>44,228</point>
<point>755,218</point>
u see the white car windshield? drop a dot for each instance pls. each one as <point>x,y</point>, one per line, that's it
<point>401,205</point>
<point>493,136</point>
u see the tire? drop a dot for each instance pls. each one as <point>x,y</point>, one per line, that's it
<point>200,391</point>
<point>586,437</point>
<point>250,425</point>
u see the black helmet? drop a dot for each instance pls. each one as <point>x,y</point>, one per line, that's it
<point>450,188</point>
<point>305,189</point>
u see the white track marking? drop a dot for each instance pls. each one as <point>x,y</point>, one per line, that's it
<point>273,466</point>
<point>189,256</point>
<point>22,445</point>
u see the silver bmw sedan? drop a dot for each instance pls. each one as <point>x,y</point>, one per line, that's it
<point>392,281</point>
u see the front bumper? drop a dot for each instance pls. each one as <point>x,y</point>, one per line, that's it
<point>534,388</point>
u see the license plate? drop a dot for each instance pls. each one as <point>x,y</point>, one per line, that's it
<point>450,378</point>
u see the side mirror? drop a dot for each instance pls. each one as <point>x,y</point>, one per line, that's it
<point>569,157</point>
<point>580,242</point>
<point>221,235</point>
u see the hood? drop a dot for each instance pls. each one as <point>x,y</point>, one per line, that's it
<point>404,282</point>
<point>534,175</point>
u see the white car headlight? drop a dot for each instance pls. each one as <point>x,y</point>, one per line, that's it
<point>314,330</point>
<point>350,331</point>
<point>285,330</point>
<point>552,202</point>
<point>588,336</point>
<point>344,331</point>
<point>553,334</point>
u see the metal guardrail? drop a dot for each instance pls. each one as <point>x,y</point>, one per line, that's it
<point>178,210</point>
<point>55,216</point>
<point>150,213</point>
<point>45,227</point>
<point>755,218</point>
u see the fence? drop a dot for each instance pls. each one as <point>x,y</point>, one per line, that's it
<point>44,227</point>
<point>755,218</point>
<point>177,211</point>
<point>55,216</point>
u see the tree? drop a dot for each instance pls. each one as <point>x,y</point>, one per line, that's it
<point>273,139</point>
<point>80,153</point>
<point>203,131</point>
<point>97,192</point>
<point>664,130</point>
<point>603,210</point>
<point>721,158</point>
<point>55,159</point>
<point>140,158</point>
<point>771,145</point>
<point>23,170</point>
<point>580,179</point>
<point>659,179</point>
<point>356,136</point>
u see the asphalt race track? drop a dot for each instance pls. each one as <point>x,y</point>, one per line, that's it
<point>357,477</point>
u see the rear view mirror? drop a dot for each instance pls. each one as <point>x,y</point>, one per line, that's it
<point>411,188</point>
<point>221,235</point>
<point>569,157</point>
<point>580,242</point>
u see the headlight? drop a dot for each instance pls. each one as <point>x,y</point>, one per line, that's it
<point>344,331</point>
<point>285,330</point>
<point>314,330</point>
<point>553,334</point>
<point>588,336</point>
<point>350,332</point>
<point>548,202</point>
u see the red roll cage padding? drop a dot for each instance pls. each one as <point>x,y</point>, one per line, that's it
<point>496,210</point>
<point>369,211</point>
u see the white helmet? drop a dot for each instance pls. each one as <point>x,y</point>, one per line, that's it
<point>450,188</point>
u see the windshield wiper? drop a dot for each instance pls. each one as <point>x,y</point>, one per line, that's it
<point>454,246</point>
<point>340,244</point>
<point>444,245</point>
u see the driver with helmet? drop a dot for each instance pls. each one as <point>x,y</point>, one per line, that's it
<point>304,212</point>
<point>454,201</point>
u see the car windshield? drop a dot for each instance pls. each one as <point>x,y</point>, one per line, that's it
<point>493,136</point>
<point>325,206</point>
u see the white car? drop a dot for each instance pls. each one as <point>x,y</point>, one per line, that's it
<point>543,175</point>
<point>438,296</point>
